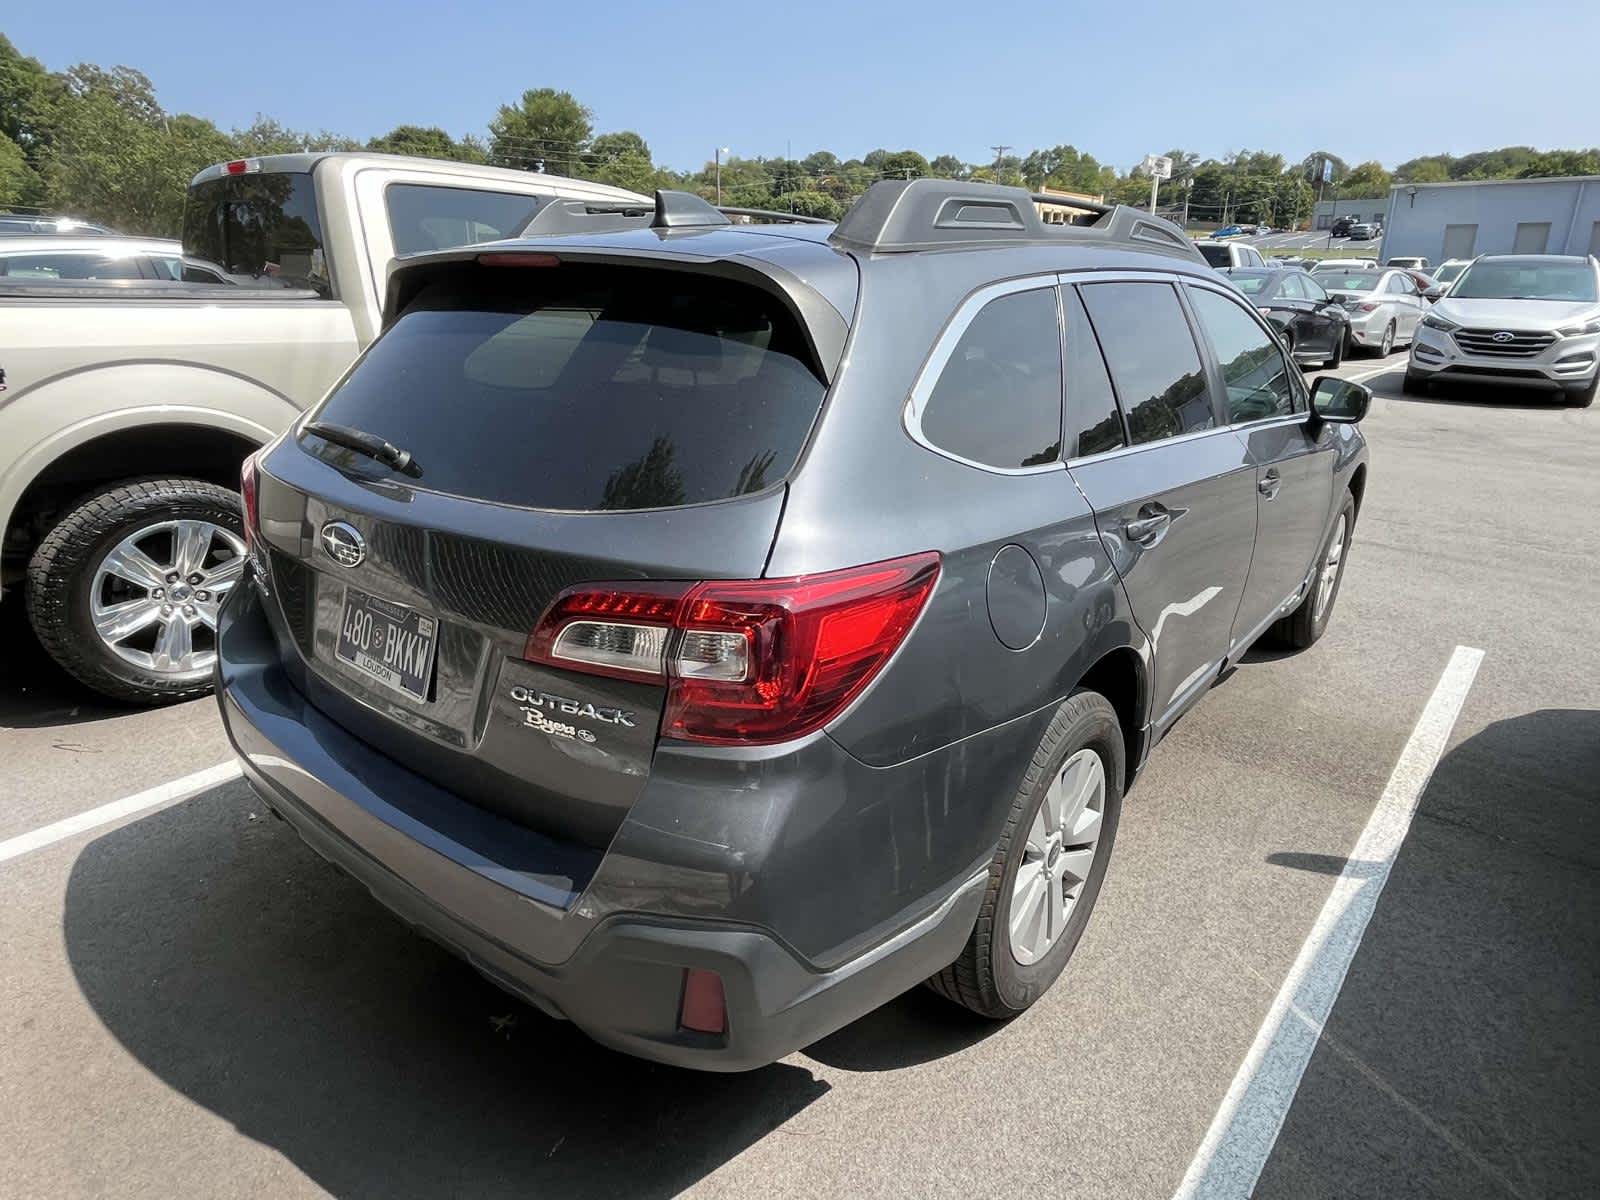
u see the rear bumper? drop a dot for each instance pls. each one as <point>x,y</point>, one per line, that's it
<point>1570,363</point>
<point>504,899</point>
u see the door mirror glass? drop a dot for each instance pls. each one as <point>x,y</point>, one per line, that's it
<point>1433,293</point>
<point>1340,401</point>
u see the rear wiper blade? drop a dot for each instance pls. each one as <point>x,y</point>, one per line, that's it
<point>366,443</point>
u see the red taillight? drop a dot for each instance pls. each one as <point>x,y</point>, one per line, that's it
<point>252,505</point>
<point>760,660</point>
<point>1368,306</point>
<point>240,166</point>
<point>703,1008</point>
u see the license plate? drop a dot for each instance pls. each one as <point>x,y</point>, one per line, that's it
<point>387,642</point>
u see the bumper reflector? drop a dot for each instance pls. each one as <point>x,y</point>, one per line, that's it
<point>703,1008</point>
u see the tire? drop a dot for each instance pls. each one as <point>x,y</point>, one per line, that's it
<point>1338,352</point>
<point>988,977</point>
<point>1414,384</point>
<point>1306,624</point>
<point>1386,347</point>
<point>1583,397</point>
<point>65,585</point>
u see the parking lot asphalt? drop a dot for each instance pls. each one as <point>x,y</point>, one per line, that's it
<point>192,1003</point>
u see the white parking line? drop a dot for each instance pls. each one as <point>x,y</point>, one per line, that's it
<point>164,793</point>
<point>1243,1132</point>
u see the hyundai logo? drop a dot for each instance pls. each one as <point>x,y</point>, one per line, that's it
<point>1502,336</point>
<point>344,543</point>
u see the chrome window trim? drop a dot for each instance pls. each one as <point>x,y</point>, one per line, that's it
<point>928,377</point>
<point>1141,447</point>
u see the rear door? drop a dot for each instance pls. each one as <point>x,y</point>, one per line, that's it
<point>1266,403</point>
<point>1176,506</point>
<point>566,424</point>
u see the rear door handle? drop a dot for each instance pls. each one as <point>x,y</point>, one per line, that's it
<point>1148,525</point>
<point>1269,483</point>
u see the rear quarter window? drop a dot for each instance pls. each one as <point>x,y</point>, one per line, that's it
<point>427,217</point>
<point>585,387</point>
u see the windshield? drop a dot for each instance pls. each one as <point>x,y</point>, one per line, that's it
<point>586,387</point>
<point>263,229</point>
<point>1348,281</point>
<point>1511,279</point>
<point>1448,272</point>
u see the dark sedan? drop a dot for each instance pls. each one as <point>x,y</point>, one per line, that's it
<point>1305,316</point>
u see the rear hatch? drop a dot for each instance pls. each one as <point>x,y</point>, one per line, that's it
<point>562,422</point>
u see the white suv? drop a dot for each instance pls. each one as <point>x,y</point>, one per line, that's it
<point>1516,319</point>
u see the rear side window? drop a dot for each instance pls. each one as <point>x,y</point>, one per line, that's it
<point>1093,423</point>
<point>69,266</point>
<point>1152,357</point>
<point>585,387</point>
<point>423,217</point>
<point>262,229</point>
<point>998,398</point>
<point>1254,371</point>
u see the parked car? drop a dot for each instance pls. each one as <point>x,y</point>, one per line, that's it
<point>103,258</point>
<point>1342,226</point>
<point>1384,307</point>
<point>1225,255</point>
<point>1365,231</point>
<point>1413,262</point>
<point>27,225</point>
<point>1291,262</point>
<point>1345,264</point>
<point>1515,319</point>
<point>1448,272</point>
<point>131,402</point>
<point>637,703</point>
<point>1310,322</point>
<point>1228,231</point>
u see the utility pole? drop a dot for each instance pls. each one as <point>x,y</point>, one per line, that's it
<point>999,153</point>
<point>721,150</point>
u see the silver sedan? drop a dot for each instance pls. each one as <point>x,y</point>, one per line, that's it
<point>1385,307</point>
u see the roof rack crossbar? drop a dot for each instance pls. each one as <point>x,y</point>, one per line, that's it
<point>930,214</point>
<point>772,214</point>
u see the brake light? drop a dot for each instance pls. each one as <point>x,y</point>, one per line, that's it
<point>243,166</point>
<point>1367,306</point>
<point>248,493</point>
<point>745,661</point>
<point>704,1007</point>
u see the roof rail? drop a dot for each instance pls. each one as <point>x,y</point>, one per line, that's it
<point>772,214</point>
<point>932,214</point>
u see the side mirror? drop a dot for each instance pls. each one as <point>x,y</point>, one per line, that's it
<point>1432,294</point>
<point>1339,401</point>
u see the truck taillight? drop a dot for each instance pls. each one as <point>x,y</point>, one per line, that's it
<point>252,504</point>
<point>744,661</point>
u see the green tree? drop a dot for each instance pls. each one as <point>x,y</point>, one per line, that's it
<point>19,183</point>
<point>1366,179</point>
<point>265,136</point>
<point>903,164</point>
<point>813,204</point>
<point>947,166</point>
<point>820,163</point>
<point>428,141</point>
<point>23,81</point>
<point>1434,168</point>
<point>1562,162</point>
<point>544,127</point>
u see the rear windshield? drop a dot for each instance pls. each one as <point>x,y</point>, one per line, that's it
<point>1249,284</point>
<point>262,229</point>
<point>583,387</point>
<point>1348,281</point>
<point>1509,279</point>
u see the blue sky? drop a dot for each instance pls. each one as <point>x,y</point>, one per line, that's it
<point>939,76</point>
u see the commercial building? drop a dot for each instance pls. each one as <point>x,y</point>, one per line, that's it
<point>1324,211</point>
<point>1493,216</point>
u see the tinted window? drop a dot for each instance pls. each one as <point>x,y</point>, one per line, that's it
<point>69,266</point>
<point>1254,371</point>
<point>1217,256</point>
<point>1093,423</point>
<point>998,399</point>
<point>1313,289</point>
<point>1290,287</point>
<point>586,387</point>
<point>434,218</point>
<point>263,228</point>
<point>1152,357</point>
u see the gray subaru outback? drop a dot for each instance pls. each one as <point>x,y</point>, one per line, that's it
<point>710,630</point>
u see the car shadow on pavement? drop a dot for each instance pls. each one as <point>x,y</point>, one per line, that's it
<point>914,1028</point>
<point>259,982</point>
<point>1463,1054</point>
<point>33,690</point>
<point>1469,395</point>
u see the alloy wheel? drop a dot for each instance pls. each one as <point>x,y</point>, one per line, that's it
<point>155,595</point>
<point>1058,857</point>
<point>1328,576</point>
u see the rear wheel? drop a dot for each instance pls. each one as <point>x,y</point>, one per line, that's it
<point>1046,871</point>
<point>1386,347</point>
<point>1306,624</point>
<point>123,592</point>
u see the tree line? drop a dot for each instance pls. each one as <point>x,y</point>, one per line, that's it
<point>95,143</point>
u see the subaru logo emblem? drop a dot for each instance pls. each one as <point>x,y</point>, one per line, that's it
<point>1502,336</point>
<point>344,543</point>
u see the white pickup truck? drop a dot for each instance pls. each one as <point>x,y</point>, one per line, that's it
<point>127,406</point>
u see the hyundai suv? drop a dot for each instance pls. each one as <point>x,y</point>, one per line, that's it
<point>711,630</point>
<point>1518,320</point>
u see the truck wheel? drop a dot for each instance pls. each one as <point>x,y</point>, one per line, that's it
<point>1047,869</point>
<point>124,591</point>
<point>1309,622</point>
